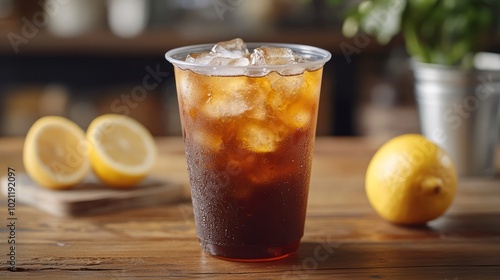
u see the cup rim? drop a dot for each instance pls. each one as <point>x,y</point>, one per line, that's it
<point>317,55</point>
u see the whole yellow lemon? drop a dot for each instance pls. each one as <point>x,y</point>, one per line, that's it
<point>410,180</point>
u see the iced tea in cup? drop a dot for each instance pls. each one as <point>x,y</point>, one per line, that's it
<point>249,121</point>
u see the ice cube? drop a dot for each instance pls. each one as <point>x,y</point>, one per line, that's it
<point>231,71</point>
<point>258,92</point>
<point>207,140</point>
<point>188,88</point>
<point>285,90</point>
<point>259,113</point>
<point>272,56</point>
<point>230,61</point>
<point>227,97</point>
<point>300,119</point>
<point>218,107</point>
<point>201,58</point>
<point>289,85</point>
<point>258,138</point>
<point>235,48</point>
<point>273,77</point>
<point>291,70</point>
<point>297,116</point>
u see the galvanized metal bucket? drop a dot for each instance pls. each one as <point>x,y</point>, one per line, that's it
<point>460,111</point>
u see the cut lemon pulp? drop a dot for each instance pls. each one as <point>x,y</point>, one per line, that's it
<point>55,153</point>
<point>122,151</point>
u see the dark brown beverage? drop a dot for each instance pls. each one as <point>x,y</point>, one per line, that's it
<point>249,143</point>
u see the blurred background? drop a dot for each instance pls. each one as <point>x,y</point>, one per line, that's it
<point>80,59</point>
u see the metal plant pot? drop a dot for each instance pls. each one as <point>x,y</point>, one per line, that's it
<point>460,111</point>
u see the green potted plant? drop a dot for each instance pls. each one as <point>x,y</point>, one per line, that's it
<point>457,86</point>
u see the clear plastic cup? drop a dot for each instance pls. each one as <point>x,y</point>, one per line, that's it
<point>249,136</point>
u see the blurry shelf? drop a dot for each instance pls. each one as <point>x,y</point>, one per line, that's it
<point>99,59</point>
<point>103,42</point>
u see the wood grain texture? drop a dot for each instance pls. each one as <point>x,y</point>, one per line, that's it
<point>344,238</point>
<point>93,197</point>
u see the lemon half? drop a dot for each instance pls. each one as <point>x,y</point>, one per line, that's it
<point>122,150</point>
<point>55,153</point>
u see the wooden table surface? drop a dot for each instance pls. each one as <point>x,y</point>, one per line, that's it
<point>344,238</point>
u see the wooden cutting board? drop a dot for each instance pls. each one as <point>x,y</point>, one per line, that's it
<point>91,197</point>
